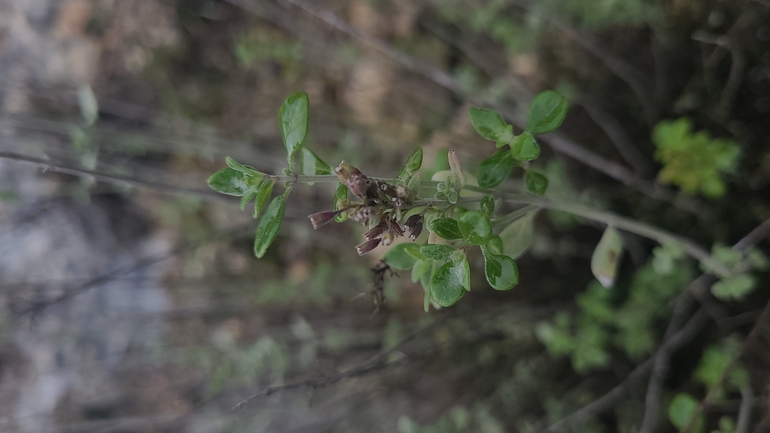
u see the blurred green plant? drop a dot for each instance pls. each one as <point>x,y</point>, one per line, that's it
<point>693,160</point>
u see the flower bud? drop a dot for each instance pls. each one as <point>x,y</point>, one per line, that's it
<point>367,246</point>
<point>375,231</point>
<point>414,225</point>
<point>322,218</point>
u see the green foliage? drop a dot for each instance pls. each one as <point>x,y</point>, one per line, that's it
<point>525,148</point>
<point>475,228</point>
<point>500,271</point>
<point>437,252</point>
<point>450,282</point>
<point>739,283</point>
<point>683,411</point>
<point>398,258</point>
<point>694,161</point>
<point>293,119</point>
<point>269,225</point>
<point>229,181</point>
<point>495,169</point>
<point>447,228</point>
<point>546,113</point>
<point>718,369</point>
<point>536,183</point>
<point>457,420</point>
<point>491,126</point>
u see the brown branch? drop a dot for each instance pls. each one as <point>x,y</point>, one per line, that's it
<point>48,165</point>
<point>661,359</point>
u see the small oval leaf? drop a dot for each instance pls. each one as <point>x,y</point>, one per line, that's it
<point>606,257</point>
<point>419,269</point>
<point>546,113</point>
<point>536,183</point>
<point>398,259</point>
<point>495,169</point>
<point>487,205</point>
<point>293,119</point>
<point>490,125</point>
<point>517,237</point>
<point>269,225</point>
<point>682,409</point>
<point>437,252</point>
<point>495,244</point>
<point>500,271</point>
<point>446,228</point>
<point>412,164</point>
<point>448,283</point>
<point>475,228</point>
<point>229,181</point>
<point>525,148</point>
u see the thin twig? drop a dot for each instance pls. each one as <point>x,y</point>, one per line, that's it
<point>610,399</point>
<point>661,358</point>
<point>374,363</point>
<point>118,179</point>
<point>744,413</point>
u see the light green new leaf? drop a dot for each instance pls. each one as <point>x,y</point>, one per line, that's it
<point>500,271</point>
<point>419,269</point>
<point>446,228</point>
<point>449,282</point>
<point>294,123</point>
<point>546,113</point>
<point>536,183</point>
<point>682,409</point>
<point>475,228</point>
<point>517,236</point>
<point>525,148</point>
<point>398,258</point>
<point>437,252</point>
<point>248,171</point>
<point>313,165</point>
<point>268,226</point>
<point>248,196</point>
<point>495,245</point>
<point>490,125</point>
<point>263,196</point>
<point>494,170</point>
<point>412,164</point>
<point>229,181</point>
<point>606,257</point>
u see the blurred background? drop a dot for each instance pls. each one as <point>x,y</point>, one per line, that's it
<point>131,299</point>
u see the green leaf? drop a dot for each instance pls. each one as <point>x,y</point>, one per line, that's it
<point>475,228</point>
<point>682,409</point>
<point>500,271</point>
<point>490,125</point>
<point>458,177</point>
<point>606,257</point>
<point>447,228</point>
<point>268,226</point>
<point>536,183</point>
<point>294,122</point>
<point>525,148</point>
<point>734,288</point>
<point>494,170</point>
<point>546,113</point>
<point>437,252</point>
<point>449,283</point>
<point>341,195</point>
<point>487,205</point>
<point>517,237</point>
<point>263,196</point>
<point>245,169</point>
<point>495,245</point>
<point>313,165</point>
<point>398,259</point>
<point>419,269</point>
<point>412,164</point>
<point>228,181</point>
<point>248,196</point>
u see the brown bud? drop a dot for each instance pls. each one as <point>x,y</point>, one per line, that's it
<point>367,246</point>
<point>322,218</point>
<point>414,225</point>
<point>376,231</point>
<point>394,228</point>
